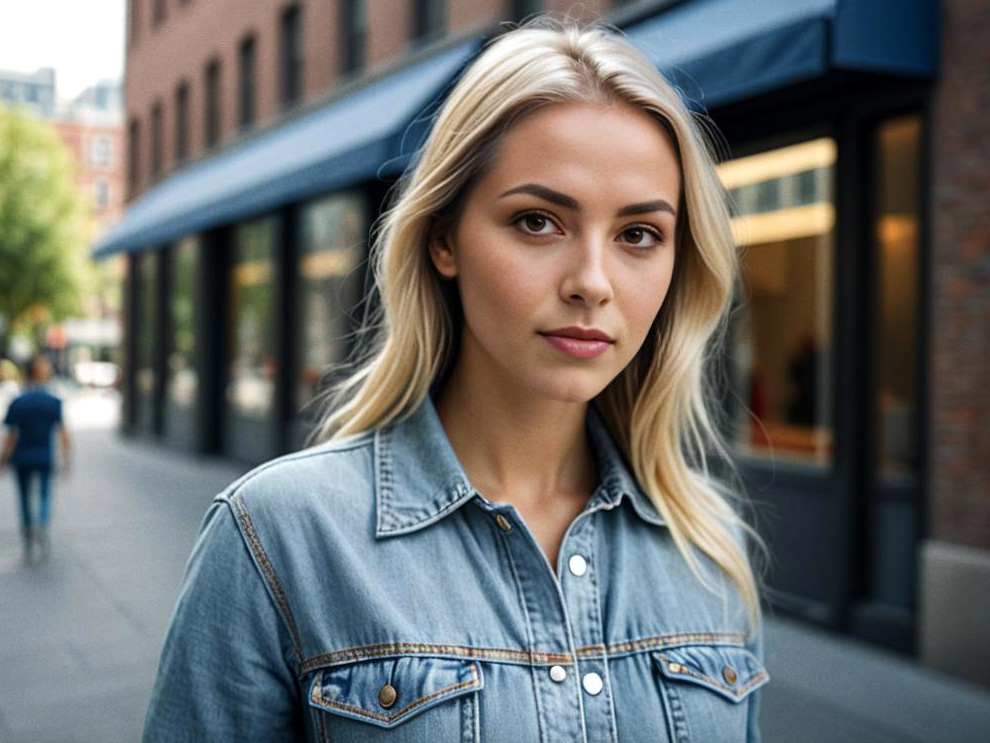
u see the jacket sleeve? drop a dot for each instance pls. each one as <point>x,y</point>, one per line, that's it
<point>753,734</point>
<point>227,667</point>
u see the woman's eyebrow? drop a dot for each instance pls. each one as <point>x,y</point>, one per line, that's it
<point>569,202</point>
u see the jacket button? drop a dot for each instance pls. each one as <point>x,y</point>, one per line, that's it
<point>729,674</point>
<point>578,565</point>
<point>387,695</point>
<point>592,683</point>
<point>558,673</point>
<point>503,522</point>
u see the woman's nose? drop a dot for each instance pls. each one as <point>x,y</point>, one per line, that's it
<point>586,276</point>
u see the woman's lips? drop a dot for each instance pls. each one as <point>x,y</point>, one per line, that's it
<point>578,348</point>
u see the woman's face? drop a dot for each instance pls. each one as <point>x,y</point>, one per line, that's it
<point>573,225</point>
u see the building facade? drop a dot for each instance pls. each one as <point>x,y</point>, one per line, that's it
<point>262,143</point>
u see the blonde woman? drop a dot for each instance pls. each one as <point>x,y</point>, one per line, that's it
<point>507,528</point>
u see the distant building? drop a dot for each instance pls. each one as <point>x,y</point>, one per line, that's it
<point>33,90</point>
<point>260,153</point>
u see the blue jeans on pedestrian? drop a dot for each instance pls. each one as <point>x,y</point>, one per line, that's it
<point>25,477</point>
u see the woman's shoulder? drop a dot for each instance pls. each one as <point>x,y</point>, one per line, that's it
<point>322,475</point>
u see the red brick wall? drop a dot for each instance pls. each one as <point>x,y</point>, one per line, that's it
<point>960,274</point>
<point>159,57</point>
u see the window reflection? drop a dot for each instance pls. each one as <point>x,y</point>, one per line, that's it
<point>182,380</point>
<point>147,293</point>
<point>783,221</point>
<point>331,248</point>
<point>252,365</point>
<point>896,233</point>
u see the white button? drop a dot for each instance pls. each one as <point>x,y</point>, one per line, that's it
<point>558,673</point>
<point>578,565</point>
<point>592,683</point>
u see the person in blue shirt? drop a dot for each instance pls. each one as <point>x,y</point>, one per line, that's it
<point>32,419</point>
<point>509,525</point>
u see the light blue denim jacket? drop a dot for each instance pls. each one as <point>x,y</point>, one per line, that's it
<point>363,590</point>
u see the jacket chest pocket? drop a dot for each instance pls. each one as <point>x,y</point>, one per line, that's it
<point>391,699</point>
<point>706,689</point>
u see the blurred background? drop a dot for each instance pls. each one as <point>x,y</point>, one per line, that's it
<point>186,192</point>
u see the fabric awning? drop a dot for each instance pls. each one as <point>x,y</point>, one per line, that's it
<point>722,51</point>
<point>372,131</point>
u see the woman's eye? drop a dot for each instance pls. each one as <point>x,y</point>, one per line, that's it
<point>534,223</point>
<point>640,237</point>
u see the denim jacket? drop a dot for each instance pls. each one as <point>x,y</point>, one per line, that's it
<point>363,590</point>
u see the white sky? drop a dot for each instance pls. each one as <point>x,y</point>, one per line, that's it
<point>82,39</point>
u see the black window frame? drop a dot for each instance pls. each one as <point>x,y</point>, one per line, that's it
<point>211,98</point>
<point>133,155</point>
<point>247,62</point>
<point>182,121</point>
<point>291,55</point>
<point>429,19</point>
<point>353,35</point>
<point>157,139</point>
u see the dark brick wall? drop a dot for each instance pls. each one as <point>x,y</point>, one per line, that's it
<point>960,276</point>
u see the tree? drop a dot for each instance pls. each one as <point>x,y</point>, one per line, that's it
<point>44,225</point>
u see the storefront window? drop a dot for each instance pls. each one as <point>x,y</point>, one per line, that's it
<point>783,222</point>
<point>896,351</point>
<point>182,381</point>
<point>252,365</point>
<point>331,248</point>
<point>147,320</point>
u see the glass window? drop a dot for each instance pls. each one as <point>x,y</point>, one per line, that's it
<point>134,154</point>
<point>252,365</point>
<point>331,249</point>
<point>783,221</point>
<point>100,151</point>
<point>212,104</point>
<point>101,193</point>
<point>355,28</point>
<point>181,121</point>
<point>156,140</point>
<point>292,56</point>
<point>145,328</point>
<point>896,232</point>
<point>181,381</point>
<point>429,18</point>
<point>246,108</point>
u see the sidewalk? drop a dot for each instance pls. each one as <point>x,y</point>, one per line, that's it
<point>80,635</point>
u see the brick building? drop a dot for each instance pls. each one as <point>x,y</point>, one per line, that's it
<point>262,139</point>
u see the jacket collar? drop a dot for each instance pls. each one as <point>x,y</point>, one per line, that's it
<point>419,479</point>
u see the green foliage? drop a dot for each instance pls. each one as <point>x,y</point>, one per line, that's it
<point>44,225</point>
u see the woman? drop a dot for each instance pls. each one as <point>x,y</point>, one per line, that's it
<point>507,529</point>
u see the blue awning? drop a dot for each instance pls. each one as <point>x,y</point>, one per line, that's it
<point>372,131</point>
<point>722,51</point>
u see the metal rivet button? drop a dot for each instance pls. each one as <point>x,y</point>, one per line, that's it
<point>503,522</point>
<point>558,673</point>
<point>592,683</point>
<point>729,674</point>
<point>578,565</point>
<point>387,695</point>
<point>674,667</point>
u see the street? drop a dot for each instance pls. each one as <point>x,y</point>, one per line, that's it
<point>80,634</point>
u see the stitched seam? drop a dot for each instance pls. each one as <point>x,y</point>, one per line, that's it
<point>269,572</point>
<point>666,641</point>
<point>369,652</point>
<point>735,692</point>
<point>447,690</point>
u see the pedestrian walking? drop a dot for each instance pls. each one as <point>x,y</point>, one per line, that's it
<point>508,525</point>
<point>32,420</point>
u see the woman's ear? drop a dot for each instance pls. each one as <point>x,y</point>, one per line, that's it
<point>441,250</point>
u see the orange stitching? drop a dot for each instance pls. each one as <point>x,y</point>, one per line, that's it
<point>368,652</point>
<point>735,692</point>
<point>418,703</point>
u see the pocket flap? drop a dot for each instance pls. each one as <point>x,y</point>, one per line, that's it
<point>731,670</point>
<point>388,691</point>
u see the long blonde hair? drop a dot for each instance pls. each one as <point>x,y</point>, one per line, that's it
<point>659,408</point>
